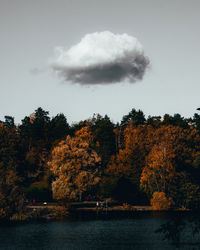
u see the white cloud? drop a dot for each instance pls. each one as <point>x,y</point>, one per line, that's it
<point>101,57</point>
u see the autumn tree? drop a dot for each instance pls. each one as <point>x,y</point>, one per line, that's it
<point>159,172</point>
<point>135,117</point>
<point>184,142</point>
<point>130,161</point>
<point>127,165</point>
<point>75,166</point>
<point>180,157</point>
<point>79,125</point>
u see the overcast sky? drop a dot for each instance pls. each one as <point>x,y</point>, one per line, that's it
<point>30,32</point>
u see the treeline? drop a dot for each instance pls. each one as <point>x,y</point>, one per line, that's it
<point>137,161</point>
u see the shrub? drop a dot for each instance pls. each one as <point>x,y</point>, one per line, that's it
<point>159,201</point>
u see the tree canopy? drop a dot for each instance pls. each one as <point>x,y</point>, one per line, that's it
<point>75,166</point>
<point>154,160</point>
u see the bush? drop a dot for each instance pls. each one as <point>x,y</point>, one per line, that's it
<point>160,201</point>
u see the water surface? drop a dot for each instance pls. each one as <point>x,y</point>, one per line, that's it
<point>139,231</point>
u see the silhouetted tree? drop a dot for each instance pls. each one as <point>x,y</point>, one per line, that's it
<point>134,115</point>
<point>59,128</point>
<point>11,194</point>
<point>104,137</point>
<point>9,121</point>
<point>175,120</point>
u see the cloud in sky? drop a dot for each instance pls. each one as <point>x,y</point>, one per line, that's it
<point>101,58</point>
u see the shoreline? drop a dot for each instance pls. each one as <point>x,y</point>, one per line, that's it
<point>60,213</point>
<point>86,208</point>
<point>57,213</point>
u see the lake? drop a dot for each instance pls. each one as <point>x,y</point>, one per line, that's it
<point>139,230</point>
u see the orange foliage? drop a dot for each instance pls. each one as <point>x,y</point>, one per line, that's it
<point>172,149</point>
<point>130,161</point>
<point>181,140</point>
<point>159,172</point>
<point>160,201</point>
<point>84,134</point>
<point>152,156</point>
<point>75,166</point>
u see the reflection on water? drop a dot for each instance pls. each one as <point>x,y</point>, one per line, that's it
<point>139,231</point>
<point>182,229</point>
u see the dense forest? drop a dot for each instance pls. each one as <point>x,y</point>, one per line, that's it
<point>154,160</point>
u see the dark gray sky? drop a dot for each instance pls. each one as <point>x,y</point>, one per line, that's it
<point>31,30</point>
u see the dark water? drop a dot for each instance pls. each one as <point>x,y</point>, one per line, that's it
<point>138,231</point>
